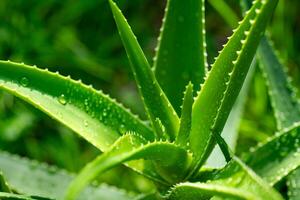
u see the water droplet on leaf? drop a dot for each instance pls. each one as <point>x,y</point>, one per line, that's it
<point>62,99</point>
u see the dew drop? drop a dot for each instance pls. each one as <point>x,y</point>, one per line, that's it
<point>62,99</point>
<point>24,81</point>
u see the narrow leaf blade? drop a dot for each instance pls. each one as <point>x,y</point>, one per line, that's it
<point>285,105</point>
<point>211,109</point>
<point>186,116</point>
<point>277,157</point>
<point>181,54</point>
<point>156,103</point>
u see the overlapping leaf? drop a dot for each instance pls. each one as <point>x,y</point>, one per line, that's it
<point>90,113</point>
<point>181,51</point>
<point>211,109</point>
<point>278,157</point>
<point>156,103</point>
<point>171,160</point>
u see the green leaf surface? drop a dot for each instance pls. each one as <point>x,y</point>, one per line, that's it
<point>204,191</point>
<point>230,130</point>
<point>277,157</point>
<point>237,175</point>
<point>293,183</point>
<point>283,97</point>
<point>186,117</point>
<point>181,51</point>
<point>156,103</point>
<point>167,156</point>
<point>211,110</point>
<point>88,112</point>
<point>38,179</point>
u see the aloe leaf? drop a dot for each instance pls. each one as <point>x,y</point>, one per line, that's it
<point>181,51</point>
<point>293,183</point>
<point>133,147</point>
<point>277,157</point>
<point>88,112</point>
<point>156,103</point>
<point>38,179</point>
<point>204,191</point>
<point>283,97</point>
<point>186,116</point>
<point>230,130</point>
<point>238,175</point>
<point>3,184</point>
<point>210,110</point>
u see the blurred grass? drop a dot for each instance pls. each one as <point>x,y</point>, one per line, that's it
<point>79,38</point>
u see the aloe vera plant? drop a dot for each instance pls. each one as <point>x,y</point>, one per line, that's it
<point>188,104</point>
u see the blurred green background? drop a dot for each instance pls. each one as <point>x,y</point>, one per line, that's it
<point>79,38</point>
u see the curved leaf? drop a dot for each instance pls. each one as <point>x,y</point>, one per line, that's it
<point>88,112</point>
<point>38,179</point>
<point>237,175</point>
<point>211,109</point>
<point>156,103</point>
<point>204,191</point>
<point>277,157</point>
<point>186,117</point>
<point>283,98</point>
<point>181,51</point>
<point>133,147</point>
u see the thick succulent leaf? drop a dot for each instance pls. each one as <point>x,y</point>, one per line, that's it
<point>90,113</point>
<point>172,161</point>
<point>293,184</point>
<point>211,109</point>
<point>10,196</point>
<point>181,51</point>
<point>38,179</point>
<point>237,175</point>
<point>186,117</point>
<point>205,191</point>
<point>156,103</point>
<point>277,157</point>
<point>283,97</point>
<point>3,184</point>
<point>230,130</point>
